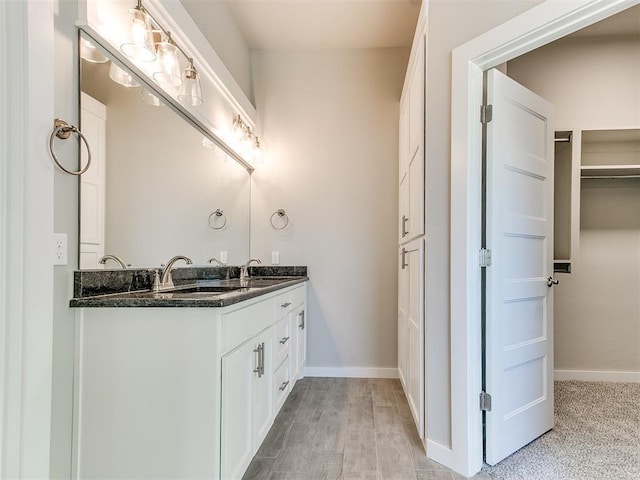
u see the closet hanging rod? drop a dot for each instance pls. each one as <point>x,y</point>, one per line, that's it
<point>589,177</point>
<point>563,139</point>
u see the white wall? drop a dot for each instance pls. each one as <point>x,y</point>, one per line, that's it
<point>330,124</point>
<point>594,84</point>
<point>451,23</point>
<point>221,31</point>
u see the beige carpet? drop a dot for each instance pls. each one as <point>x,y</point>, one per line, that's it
<point>596,437</point>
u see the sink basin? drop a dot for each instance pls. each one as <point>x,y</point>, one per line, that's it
<point>204,289</point>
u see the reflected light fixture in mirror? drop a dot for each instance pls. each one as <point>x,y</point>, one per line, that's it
<point>139,44</point>
<point>190,91</point>
<point>122,77</point>
<point>90,53</point>
<point>149,98</point>
<point>167,64</point>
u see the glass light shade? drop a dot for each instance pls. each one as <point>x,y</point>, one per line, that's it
<point>90,53</point>
<point>190,91</point>
<point>122,77</point>
<point>167,65</point>
<point>150,99</point>
<point>139,45</point>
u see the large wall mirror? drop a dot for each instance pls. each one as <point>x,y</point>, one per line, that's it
<point>156,186</point>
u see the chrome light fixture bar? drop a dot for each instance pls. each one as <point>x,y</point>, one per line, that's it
<point>164,52</point>
<point>246,141</point>
<point>142,78</point>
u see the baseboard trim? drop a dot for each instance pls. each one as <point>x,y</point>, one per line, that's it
<point>439,453</point>
<point>351,372</point>
<point>597,376</point>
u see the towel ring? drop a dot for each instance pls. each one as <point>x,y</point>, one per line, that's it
<point>63,130</point>
<point>212,219</point>
<point>281,214</point>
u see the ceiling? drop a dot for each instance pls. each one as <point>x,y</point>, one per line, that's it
<point>319,24</point>
<point>337,24</point>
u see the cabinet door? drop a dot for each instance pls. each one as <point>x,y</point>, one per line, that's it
<point>416,103</point>
<point>300,316</point>
<point>416,195</point>
<point>411,328</point>
<point>415,379</point>
<point>238,377</point>
<point>263,389</point>
<point>403,311</point>
<point>404,214</point>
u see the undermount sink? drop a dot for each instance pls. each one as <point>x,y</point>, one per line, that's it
<point>207,289</point>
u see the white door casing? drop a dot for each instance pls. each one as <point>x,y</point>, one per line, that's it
<point>519,324</point>
<point>534,28</point>
<point>92,183</point>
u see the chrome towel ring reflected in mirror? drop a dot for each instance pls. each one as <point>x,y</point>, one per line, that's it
<point>283,219</point>
<point>63,130</point>
<point>215,218</point>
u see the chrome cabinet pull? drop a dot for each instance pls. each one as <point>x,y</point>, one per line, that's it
<point>283,387</point>
<point>257,369</point>
<point>301,324</point>
<point>284,340</point>
<point>405,232</point>
<point>404,258</point>
<point>262,359</point>
<point>285,305</point>
<point>552,281</point>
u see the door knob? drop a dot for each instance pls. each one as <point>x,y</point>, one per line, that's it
<point>552,281</point>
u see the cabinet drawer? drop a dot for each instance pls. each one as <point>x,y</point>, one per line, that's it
<point>282,305</point>
<point>298,296</point>
<point>239,325</point>
<point>283,340</point>
<point>281,384</point>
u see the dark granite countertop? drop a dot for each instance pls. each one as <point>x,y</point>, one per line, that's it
<point>195,287</point>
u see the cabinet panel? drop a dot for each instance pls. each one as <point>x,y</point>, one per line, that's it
<point>244,323</point>
<point>416,104</point>
<point>281,384</point>
<point>301,338</point>
<point>263,390</point>
<point>403,207</point>
<point>416,195</point>
<point>403,140</point>
<point>237,405</point>
<point>411,329</point>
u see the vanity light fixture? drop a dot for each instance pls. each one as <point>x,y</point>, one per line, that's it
<point>168,64</point>
<point>190,91</point>
<point>142,46</point>
<point>122,77</point>
<point>149,98</point>
<point>245,141</point>
<point>90,53</point>
<point>139,44</point>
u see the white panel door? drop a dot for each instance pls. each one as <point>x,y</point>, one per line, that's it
<point>519,310</point>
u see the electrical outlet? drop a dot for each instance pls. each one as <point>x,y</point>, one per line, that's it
<point>59,248</point>
<point>275,258</point>
<point>224,257</point>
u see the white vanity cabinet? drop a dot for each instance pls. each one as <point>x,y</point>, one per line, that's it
<point>180,392</point>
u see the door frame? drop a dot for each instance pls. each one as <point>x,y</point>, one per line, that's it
<point>534,28</point>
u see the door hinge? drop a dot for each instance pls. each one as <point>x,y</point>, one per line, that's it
<point>485,257</point>
<point>486,113</point>
<point>485,402</point>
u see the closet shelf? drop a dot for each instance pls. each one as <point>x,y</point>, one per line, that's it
<point>610,170</point>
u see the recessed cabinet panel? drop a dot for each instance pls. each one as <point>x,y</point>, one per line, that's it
<point>416,104</point>
<point>416,195</point>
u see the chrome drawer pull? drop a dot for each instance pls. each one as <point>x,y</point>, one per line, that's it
<point>284,340</point>
<point>285,305</point>
<point>284,386</point>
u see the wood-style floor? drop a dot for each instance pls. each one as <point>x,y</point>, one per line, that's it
<point>344,429</point>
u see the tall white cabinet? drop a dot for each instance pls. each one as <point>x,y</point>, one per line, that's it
<point>411,236</point>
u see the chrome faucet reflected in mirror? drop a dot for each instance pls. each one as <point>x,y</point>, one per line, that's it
<point>115,258</point>
<point>216,260</point>
<point>162,280</point>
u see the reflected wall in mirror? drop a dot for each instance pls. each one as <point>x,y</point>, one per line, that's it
<point>154,183</point>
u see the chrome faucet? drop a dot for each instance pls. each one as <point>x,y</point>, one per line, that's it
<point>164,281</point>
<point>244,269</point>
<point>116,259</point>
<point>214,259</point>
